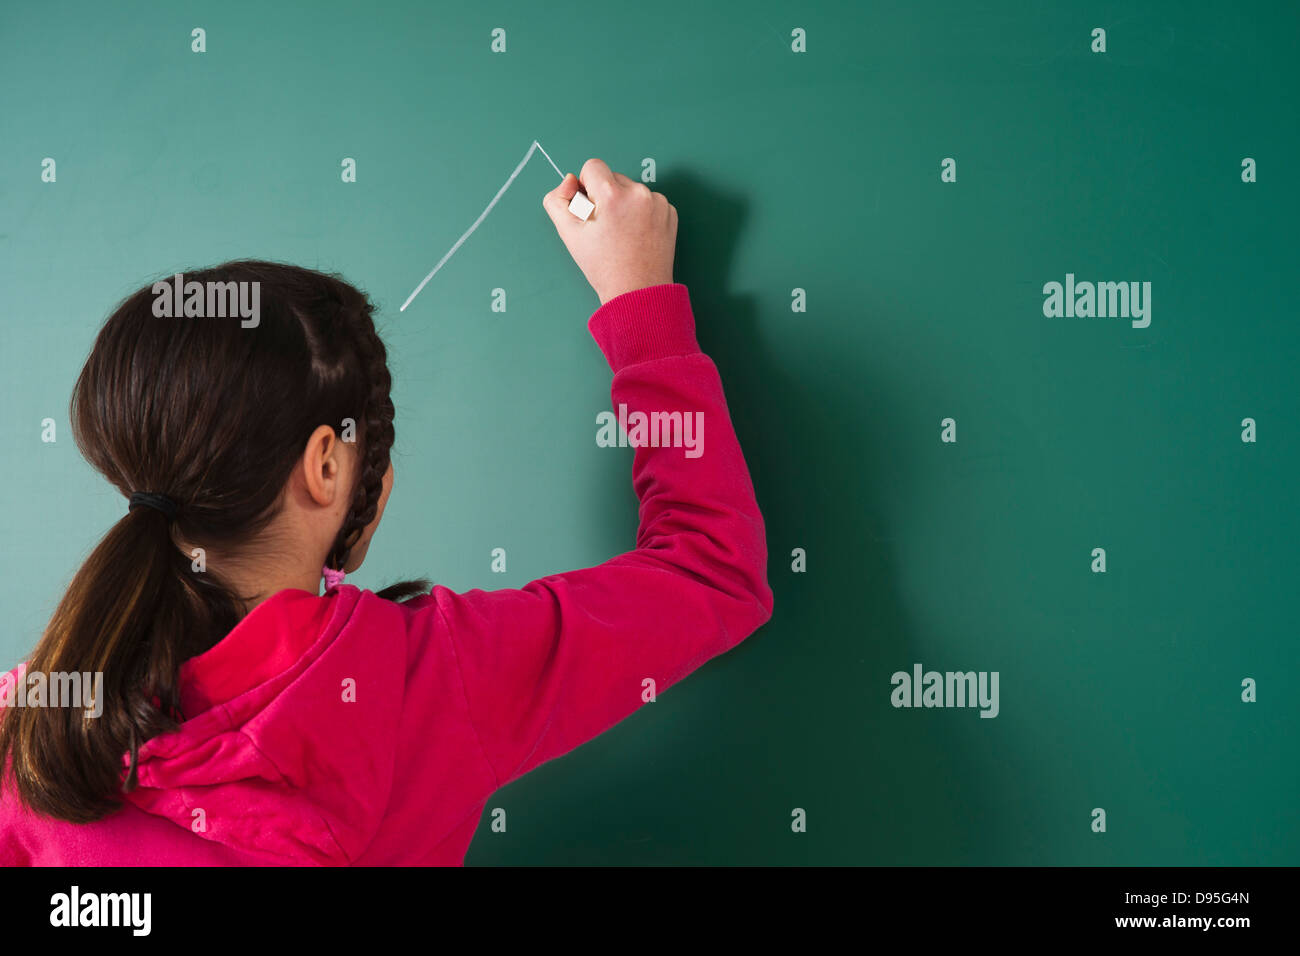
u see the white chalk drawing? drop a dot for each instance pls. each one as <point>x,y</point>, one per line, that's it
<point>483,215</point>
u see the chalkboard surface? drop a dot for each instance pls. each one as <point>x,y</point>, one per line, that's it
<point>1087,491</point>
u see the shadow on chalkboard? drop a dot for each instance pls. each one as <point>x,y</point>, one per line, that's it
<point>829,740</point>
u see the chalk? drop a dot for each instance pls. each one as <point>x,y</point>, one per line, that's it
<point>581,206</point>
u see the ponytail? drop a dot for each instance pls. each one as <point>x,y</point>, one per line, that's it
<point>215,414</point>
<point>136,586</point>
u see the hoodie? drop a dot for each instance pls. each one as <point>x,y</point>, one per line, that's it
<point>348,730</point>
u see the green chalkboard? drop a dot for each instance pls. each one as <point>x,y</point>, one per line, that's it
<point>921,171</point>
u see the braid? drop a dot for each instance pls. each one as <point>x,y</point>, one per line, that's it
<point>377,435</point>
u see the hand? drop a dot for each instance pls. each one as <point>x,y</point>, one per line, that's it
<point>627,243</point>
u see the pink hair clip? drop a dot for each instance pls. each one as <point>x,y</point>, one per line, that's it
<point>332,578</point>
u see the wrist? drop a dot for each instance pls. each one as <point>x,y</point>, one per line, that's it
<point>622,288</point>
<point>645,324</point>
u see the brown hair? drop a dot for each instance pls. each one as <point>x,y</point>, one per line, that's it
<point>214,415</point>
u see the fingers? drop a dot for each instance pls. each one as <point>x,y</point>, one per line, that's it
<point>568,187</point>
<point>600,183</point>
<point>556,202</point>
<point>598,180</point>
<point>634,186</point>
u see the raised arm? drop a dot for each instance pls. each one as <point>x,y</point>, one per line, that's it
<point>551,665</point>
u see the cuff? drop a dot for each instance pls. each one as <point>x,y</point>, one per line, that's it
<point>645,324</point>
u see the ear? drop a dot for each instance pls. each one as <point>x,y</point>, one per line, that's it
<point>322,466</point>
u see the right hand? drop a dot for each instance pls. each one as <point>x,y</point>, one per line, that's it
<point>627,243</point>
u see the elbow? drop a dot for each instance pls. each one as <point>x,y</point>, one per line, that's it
<point>757,601</point>
<point>763,602</point>
<point>749,612</point>
<point>740,605</point>
<point>755,591</point>
<point>762,590</point>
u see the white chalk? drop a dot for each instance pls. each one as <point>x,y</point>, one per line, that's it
<point>581,206</point>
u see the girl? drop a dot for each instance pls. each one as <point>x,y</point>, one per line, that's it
<point>243,718</point>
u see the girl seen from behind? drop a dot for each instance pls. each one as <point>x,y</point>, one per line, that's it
<point>241,717</point>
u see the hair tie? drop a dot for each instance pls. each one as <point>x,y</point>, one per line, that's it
<point>150,500</point>
<point>332,578</point>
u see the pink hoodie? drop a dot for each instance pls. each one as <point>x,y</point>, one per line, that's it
<point>455,695</point>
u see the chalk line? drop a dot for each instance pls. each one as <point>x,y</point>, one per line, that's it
<point>549,160</point>
<point>483,215</point>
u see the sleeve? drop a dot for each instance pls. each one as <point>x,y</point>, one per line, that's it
<point>549,666</point>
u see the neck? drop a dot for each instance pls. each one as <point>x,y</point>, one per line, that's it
<point>252,579</point>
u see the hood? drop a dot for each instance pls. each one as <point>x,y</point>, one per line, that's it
<point>288,745</point>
